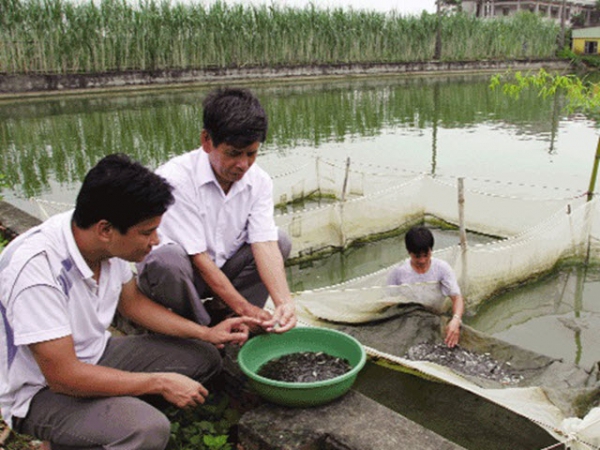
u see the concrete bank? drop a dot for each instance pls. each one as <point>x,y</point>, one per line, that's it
<point>352,422</point>
<point>14,221</point>
<point>32,84</point>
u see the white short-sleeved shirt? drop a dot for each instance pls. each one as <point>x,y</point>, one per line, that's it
<point>47,292</point>
<point>204,219</point>
<point>439,272</point>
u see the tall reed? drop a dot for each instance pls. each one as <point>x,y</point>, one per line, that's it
<point>59,36</point>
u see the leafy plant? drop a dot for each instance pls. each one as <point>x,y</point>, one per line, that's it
<point>582,95</point>
<point>208,427</point>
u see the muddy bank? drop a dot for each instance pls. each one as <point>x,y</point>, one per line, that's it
<point>17,85</point>
<point>14,221</point>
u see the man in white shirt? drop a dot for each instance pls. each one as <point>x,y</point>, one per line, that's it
<point>224,254</point>
<point>422,268</point>
<point>63,377</point>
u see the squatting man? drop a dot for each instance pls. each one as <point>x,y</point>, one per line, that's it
<point>64,378</point>
<point>222,254</point>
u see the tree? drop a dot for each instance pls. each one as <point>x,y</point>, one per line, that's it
<point>563,14</point>
<point>581,95</point>
<point>578,20</point>
<point>479,8</point>
<point>437,55</point>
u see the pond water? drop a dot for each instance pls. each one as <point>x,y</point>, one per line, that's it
<point>458,415</point>
<point>447,126</point>
<point>364,259</point>
<point>558,316</point>
<point>452,126</point>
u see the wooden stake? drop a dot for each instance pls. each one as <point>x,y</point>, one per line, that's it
<point>318,175</point>
<point>344,187</point>
<point>463,237</point>
<point>590,193</point>
<point>461,214</point>
<point>346,179</point>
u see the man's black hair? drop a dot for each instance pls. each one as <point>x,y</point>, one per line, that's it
<point>121,191</point>
<point>419,240</point>
<point>234,116</point>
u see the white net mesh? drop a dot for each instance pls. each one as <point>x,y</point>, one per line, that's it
<point>537,227</point>
<point>536,232</point>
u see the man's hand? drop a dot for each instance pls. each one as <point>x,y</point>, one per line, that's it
<point>182,391</point>
<point>249,310</point>
<point>66,374</point>
<point>284,319</point>
<point>453,332</point>
<point>234,331</point>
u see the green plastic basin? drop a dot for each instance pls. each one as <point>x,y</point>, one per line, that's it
<point>261,349</point>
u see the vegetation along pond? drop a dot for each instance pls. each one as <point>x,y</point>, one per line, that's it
<point>445,126</point>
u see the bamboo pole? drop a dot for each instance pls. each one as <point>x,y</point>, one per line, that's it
<point>345,186</point>
<point>317,165</point>
<point>463,237</point>
<point>437,54</point>
<point>461,214</point>
<point>590,193</point>
<point>343,200</point>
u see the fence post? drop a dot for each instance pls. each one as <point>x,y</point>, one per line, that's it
<point>592,186</point>
<point>318,172</point>
<point>461,214</point>
<point>343,199</point>
<point>345,185</point>
<point>463,236</point>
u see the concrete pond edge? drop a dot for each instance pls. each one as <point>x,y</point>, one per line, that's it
<point>19,86</point>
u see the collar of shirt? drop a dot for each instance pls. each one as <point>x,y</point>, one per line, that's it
<point>206,175</point>
<point>73,249</point>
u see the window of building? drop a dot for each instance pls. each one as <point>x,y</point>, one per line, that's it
<point>591,48</point>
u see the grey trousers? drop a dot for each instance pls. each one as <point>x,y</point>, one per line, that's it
<point>120,423</point>
<point>168,277</point>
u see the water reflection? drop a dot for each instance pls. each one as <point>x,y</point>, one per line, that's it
<point>451,412</point>
<point>49,144</point>
<point>558,316</point>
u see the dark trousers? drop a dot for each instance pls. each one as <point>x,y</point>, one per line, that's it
<point>120,423</point>
<point>168,277</point>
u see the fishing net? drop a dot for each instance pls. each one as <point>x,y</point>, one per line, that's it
<point>536,230</point>
<point>553,394</point>
<point>326,205</point>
